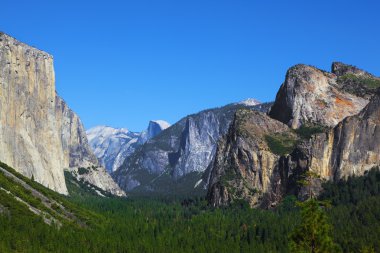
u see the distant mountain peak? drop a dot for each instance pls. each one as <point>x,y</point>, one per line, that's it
<point>113,145</point>
<point>162,123</point>
<point>249,102</point>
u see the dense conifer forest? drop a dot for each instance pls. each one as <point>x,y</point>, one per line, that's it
<point>141,224</point>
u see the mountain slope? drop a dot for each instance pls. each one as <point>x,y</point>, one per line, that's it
<point>22,196</point>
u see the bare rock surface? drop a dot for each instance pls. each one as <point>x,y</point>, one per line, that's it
<point>313,96</point>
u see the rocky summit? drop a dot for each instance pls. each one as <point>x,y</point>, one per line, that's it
<point>326,123</point>
<point>40,135</point>
<point>313,96</point>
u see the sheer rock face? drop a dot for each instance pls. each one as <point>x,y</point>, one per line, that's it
<point>29,137</point>
<point>310,95</point>
<point>39,134</point>
<point>352,147</point>
<point>244,166</point>
<point>73,137</point>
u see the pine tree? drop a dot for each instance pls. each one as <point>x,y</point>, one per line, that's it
<point>314,233</point>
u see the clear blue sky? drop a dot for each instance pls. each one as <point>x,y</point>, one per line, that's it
<point>122,63</point>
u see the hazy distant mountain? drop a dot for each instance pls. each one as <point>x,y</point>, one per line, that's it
<point>249,102</point>
<point>113,145</point>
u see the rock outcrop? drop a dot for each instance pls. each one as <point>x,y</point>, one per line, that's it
<point>154,128</point>
<point>354,80</point>
<point>98,177</point>
<point>245,167</point>
<point>39,134</point>
<point>263,174</point>
<point>313,96</point>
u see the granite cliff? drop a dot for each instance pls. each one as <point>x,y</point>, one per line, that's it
<point>39,135</point>
<point>313,96</point>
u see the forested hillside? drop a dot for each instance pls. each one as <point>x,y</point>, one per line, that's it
<point>141,224</point>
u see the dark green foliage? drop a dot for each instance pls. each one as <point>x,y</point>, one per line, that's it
<point>371,83</point>
<point>354,189</point>
<point>313,234</point>
<point>356,215</point>
<point>306,131</point>
<point>84,216</point>
<point>182,225</point>
<point>282,143</point>
<point>82,171</point>
<point>84,187</point>
<point>357,227</point>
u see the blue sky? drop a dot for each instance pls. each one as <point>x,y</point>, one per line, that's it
<point>122,63</point>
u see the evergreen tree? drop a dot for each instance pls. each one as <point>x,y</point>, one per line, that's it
<point>314,233</point>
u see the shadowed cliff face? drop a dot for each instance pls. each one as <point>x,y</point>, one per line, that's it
<point>39,134</point>
<point>260,163</point>
<point>245,167</point>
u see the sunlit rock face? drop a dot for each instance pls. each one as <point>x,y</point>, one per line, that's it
<point>313,96</point>
<point>39,134</point>
<point>352,147</point>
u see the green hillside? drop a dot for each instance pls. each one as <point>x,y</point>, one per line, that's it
<point>85,222</point>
